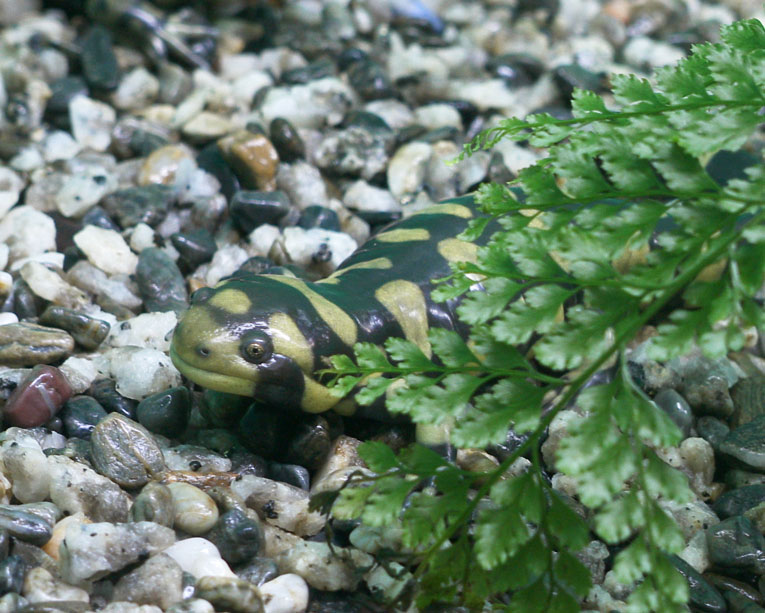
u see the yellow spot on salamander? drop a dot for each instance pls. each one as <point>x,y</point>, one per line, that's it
<point>338,320</point>
<point>316,397</point>
<point>455,250</point>
<point>375,264</point>
<point>458,210</point>
<point>231,300</point>
<point>402,235</point>
<point>406,302</point>
<point>289,340</point>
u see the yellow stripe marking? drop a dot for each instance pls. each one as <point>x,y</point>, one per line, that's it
<point>458,210</point>
<point>455,250</point>
<point>232,301</point>
<point>338,320</point>
<point>402,235</point>
<point>406,303</point>
<point>375,264</point>
<point>316,397</point>
<point>289,340</point>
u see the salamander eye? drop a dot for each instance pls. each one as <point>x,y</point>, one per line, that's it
<point>256,347</point>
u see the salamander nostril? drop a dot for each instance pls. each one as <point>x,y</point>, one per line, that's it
<point>203,351</point>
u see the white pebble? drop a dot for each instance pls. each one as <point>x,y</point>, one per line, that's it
<point>48,285</point>
<point>406,171</point>
<point>8,318</point>
<point>81,191</point>
<point>142,237</point>
<point>28,158</point>
<point>148,330</point>
<point>362,196</point>
<point>195,512</point>
<point>41,586</point>
<point>301,245</point>
<point>59,145</point>
<point>25,464</point>
<point>52,259</point>
<point>140,372</point>
<point>263,237</point>
<point>303,183</point>
<point>137,89</point>
<point>324,568</point>
<point>4,253</point>
<point>27,232</point>
<point>224,262</point>
<point>645,52</point>
<point>199,557</point>
<point>92,122</point>
<point>11,185</point>
<point>287,593</point>
<point>107,250</point>
<point>79,372</point>
<point>438,115</point>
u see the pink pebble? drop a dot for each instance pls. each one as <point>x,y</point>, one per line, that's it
<point>38,398</point>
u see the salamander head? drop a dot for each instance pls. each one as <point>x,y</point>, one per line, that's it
<point>248,337</point>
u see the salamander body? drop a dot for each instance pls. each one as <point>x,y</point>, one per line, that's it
<point>264,336</point>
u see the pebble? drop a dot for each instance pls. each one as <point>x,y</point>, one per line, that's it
<point>192,605</point>
<point>40,586</point>
<point>253,158</point>
<point>27,232</point>
<point>149,330</point>
<point>287,593</point>
<point>91,122</point>
<point>11,185</point>
<point>158,581</point>
<point>25,525</point>
<point>147,204</point>
<point>258,571</point>
<point>25,465</point>
<point>13,571</point>
<point>91,551</point>
<point>251,209</point>
<point>162,165</point>
<point>308,248</point>
<point>196,458</point>
<point>354,152</point>
<point>80,416</point>
<point>748,397</point>
<point>199,557</point>
<point>137,89</point>
<point>746,444</point>
<point>99,62</point>
<point>737,501</point>
<point>303,184</point>
<point>154,503</point>
<point>125,451</point>
<point>702,593</point>
<point>286,139</point>
<point>104,391</point>
<point>141,372</point>
<point>41,395</point>
<point>230,594</point>
<point>166,412</point>
<point>59,530</point>
<point>160,282</point>
<point>89,332</point>
<point>81,191</point>
<point>363,197</point>
<point>195,512</point>
<point>735,543</point>
<point>324,568</point>
<point>237,536</point>
<point>194,248</point>
<point>107,250</point>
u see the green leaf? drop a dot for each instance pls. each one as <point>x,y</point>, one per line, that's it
<point>449,346</point>
<point>572,572</point>
<point>498,535</point>
<point>480,307</point>
<point>618,519</point>
<point>369,355</point>
<point>407,354</point>
<point>374,387</point>
<point>635,94</point>
<point>378,456</point>
<point>384,504</point>
<point>570,529</point>
<point>537,311</point>
<point>585,103</point>
<point>351,502</point>
<point>745,35</point>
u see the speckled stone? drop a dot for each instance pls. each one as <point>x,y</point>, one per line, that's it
<point>746,444</point>
<point>38,397</point>
<point>160,282</point>
<point>154,503</point>
<point>147,204</point>
<point>158,581</point>
<point>253,158</point>
<point>230,594</point>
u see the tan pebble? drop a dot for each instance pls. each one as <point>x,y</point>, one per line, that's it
<point>195,511</point>
<point>619,10</point>
<point>59,531</point>
<point>196,283</point>
<point>162,164</point>
<point>207,126</point>
<point>253,158</point>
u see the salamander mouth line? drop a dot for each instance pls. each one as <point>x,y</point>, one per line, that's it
<point>213,380</point>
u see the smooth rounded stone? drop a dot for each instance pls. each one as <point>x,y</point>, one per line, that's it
<point>212,160</point>
<point>370,80</point>
<point>292,474</point>
<point>62,91</point>
<point>11,185</point>
<point>373,539</point>
<point>91,122</point>
<point>158,581</point>
<point>91,551</point>
<point>41,586</point>
<point>258,571</point>
<point>25,526</point>
<point>87,331</point>
<point>195,247</point>
<point>155,504</point>
<point>746,444</point>
<point>748,397</point>
<point>39,397</point>
<point>739,602</point>
<point>303,74</point>
<point>80,416</point>
<point>195,512</point>
<point>160,282</point>
<point>354,151</point>
<point>712,430</point>
<point>162,165</point>
<point>735,543</point>
<point>103,390</point>
<point>322,567</point>
<point>676,407</point>
<point>195,458</point>
<point>137,89</point>
<point>99,62</point>
<point>107,250</point>
<point>147,204</point>
<point>736,478</point>
<point>199,557</point>
<point>25,465</point>
<point>175,84</point>
<point>736,502</point>
<point>286,139</point>
<point>253,159</point>
<point>97,216</point>
<point>229,594</point>
<point>407,168</point>
<point>316,216</point>
<point>27,232</point>
<point>279,504</point>
<point>287,593</point>
<point>703,595</point>
<point>115,295</point>
<point>705,383</point>
<point>13,570</point>
<point>207,126</point>
<point>366,198</point>
<point>125,451</point>
<point>694,457</point>
<point>166,412</point>
<point>728,584</point>
<point>250,209</point>
<point>237,536</point>
<point>77,488</point>
<point>141,372</point>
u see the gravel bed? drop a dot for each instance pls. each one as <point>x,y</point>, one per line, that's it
<point>151,149</point>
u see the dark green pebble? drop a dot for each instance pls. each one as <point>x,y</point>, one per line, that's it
<point>143,142</point>
<point>250,209</point>
<point>143,204</point>
<point>410,133</point>
<point>24,525</point>
<point>677,408</point>
<point>194,247</point>
<point>263,431</point>
<point>311,442</point>
<point>210,159</point>
<point>256,265</point>
<point>97,216</point>
<point>13,569</point>
<point>304,74</point>
<point>25,304</point>
<point>370,80</point>
<point>735,502</point>
<point>516,69</point>
<point>174,83</point>
<point>736,544</point>
<point>736,478</point>
<point>371,122</point>
<point>748,400</point>
<point>316,216</point>
<point>99,63</point>
<point>286,139</point>
<point>244,462</point>
<point>728,584</point>
<point>219,440</point>
<point>223,409</point>
<point>740,603</point>
<point>62,91</point>
<point>166,412</point>
<point>87,331</point>
<point>292,474</point>
<point>350,56</point>
<point>237,536</point>
<point>105,392</point>
<point>76,449</point>
<point>745,445</point>
<point>443,133</point>
<point>570,76</point>
<point>704,596</point>
<point>712,430</point>
<point>154,503</point>
<point>80,415</point>
<point>258,571</point>
<point>160,282</point>
<point>5,544</point>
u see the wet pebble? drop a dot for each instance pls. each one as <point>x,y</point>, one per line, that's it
<point>158,581</point>
<point>748,397</point>
<point>195,512</point>
<point>746,444</point>
<point>13,570</point>
<point>25,465</point>
<point>199,557</point>
<point>80,416</point>
<point>287,593</point>
<point>105,392</point>
<point>25,526</point>
<point>735,543</point>
<point>286,139</point>
<point>39,397</point>
<point>250,209</point>
<point>154,503</point>
<point>166,412</point>
<point>702,593</point>
<point>89,332</point>
<point>142,204</point>
<point>40,586</point>
<point>230,594</point>
<point>99,63</point>
<point>253,158</point>
<point>237,536</point>
<point>258,570</point>
<point>316,216</point>
<point>194,247</point>
<point>160,282</point>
